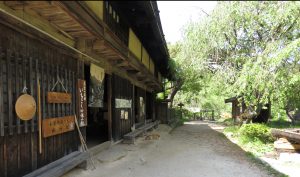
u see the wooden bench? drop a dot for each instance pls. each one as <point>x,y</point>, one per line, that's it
<point>60,166</point>
<point>130,137</point>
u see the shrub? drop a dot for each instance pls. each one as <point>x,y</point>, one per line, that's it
<point>254,132</point>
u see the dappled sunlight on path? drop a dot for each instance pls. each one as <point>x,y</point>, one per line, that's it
<point>192,150</point>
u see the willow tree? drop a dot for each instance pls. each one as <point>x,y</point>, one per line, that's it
<point>176,81</point>
<point>244,48</point>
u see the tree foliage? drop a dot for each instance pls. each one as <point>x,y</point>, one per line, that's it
<point>242,48</point>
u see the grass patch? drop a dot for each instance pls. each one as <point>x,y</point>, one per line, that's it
<point>255,138</point>
<point>231,129</point>
<point>226,122</point>
<point>282,123</point>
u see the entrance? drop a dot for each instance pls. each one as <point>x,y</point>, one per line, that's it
<point>140,107</point>
<point>97,117</point>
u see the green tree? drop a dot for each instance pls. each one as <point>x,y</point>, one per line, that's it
<point>242,48</point>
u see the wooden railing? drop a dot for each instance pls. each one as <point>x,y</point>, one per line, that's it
<point>116,22</point>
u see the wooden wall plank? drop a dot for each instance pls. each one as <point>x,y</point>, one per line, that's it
<point>19,150</point>
<point>54,113</point>
<point>17,87</point>
<point>2,168</point>
<point>58,87</point>
<point>45,145</point>
<point>5,155</point>
<point>74,144</point>
<point>12,156</point>
<point>66,112</point>
<point>1,94</point>
<point>63,144</point>
<point>25,153</point>
<point>49,141</point>
<point>24,77</point>
<point>31,74</point>
<point>34,151</point>
<point>9,92</point>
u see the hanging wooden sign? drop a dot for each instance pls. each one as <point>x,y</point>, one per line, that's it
<point>58,97</point>
<point>82,102</point>
<point>58,125</point>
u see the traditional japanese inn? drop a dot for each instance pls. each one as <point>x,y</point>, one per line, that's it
<point>76,74</point>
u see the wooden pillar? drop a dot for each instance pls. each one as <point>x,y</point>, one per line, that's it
<point>133,105</point>
<point>109,107</point>
<point>243,106</point>
<point>269,109</point>
<point>153,106</point>
<point>238,109</point>
<point>145,107</point>
<point>233,111</point>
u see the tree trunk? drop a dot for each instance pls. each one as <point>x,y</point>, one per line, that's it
<point>289,115</point>
<point>177,86</point>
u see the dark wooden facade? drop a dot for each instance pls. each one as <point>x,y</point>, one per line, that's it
<point>38,44</point>
<point>122,89</point>
<point>23,60</point>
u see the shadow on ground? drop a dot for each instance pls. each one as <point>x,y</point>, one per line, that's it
<point>191,150</point>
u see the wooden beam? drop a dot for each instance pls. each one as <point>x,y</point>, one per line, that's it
<point>78,10</point>
<point>38,22</point>
<point>99,44</point>
<point>122,64</point>
<point>109,106</point>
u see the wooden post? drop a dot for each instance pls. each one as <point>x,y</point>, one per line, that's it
<point>145,107</point>
<point>133,106</point>
<point>39,117</point>
<point>233,111</point>
<point>153,105</point>
<point>109,107</point>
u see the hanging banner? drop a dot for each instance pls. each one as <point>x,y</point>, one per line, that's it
<point>96,89</point>
<point>82,103</point>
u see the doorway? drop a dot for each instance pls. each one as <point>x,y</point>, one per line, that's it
<point>97,117</point>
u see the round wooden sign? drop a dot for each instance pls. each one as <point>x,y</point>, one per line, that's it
<point>25,107</point>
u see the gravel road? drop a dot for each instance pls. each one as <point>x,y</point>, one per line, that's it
<point>192,150</point>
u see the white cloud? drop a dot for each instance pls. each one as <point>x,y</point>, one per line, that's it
<point>175,14</point>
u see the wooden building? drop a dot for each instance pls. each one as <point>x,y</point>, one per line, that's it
<point>102,61</point>
<point>239,107</point>
<point>236,108</point>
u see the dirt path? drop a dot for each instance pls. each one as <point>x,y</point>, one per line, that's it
<point>189,151</point>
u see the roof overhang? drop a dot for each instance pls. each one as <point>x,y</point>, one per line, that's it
<point>69,24</point>
<point>143,17</point>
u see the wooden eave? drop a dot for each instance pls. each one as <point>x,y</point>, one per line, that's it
<point>72,23</point>
<point>232,99</point>
<point>143,17</point>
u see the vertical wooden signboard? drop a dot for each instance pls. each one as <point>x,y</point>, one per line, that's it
<point>82,102</point>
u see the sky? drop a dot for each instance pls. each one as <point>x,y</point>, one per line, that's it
<point>175,14</point>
